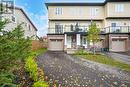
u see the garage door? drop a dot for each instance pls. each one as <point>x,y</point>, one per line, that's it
<point>56,45</point>
<point>118,45</point>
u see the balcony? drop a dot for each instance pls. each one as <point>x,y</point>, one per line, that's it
<point>117,29</point>
<point>66,29</point>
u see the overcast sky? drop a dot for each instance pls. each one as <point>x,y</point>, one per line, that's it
<point>37,12</point>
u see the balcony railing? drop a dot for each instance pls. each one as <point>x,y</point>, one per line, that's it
<point>110,29</point>
<point>117,29</point>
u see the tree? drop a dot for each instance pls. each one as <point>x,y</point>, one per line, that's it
<point>93,35</point>
<point>13,46</point>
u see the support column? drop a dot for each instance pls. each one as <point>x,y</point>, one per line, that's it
<point>78,40</point>
<point>65,43</point>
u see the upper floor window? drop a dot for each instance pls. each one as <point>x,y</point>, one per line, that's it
<point>119,8</point>
<point>29,27</point>
<point>76,11</point>
<point>13,19</point>
<point>1,17</point>
<point>93,11</point>
<point>58,28</point>
<point>59,11</point>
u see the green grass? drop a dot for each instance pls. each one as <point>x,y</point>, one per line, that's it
<point>106,60</point>
<point>38,52</point>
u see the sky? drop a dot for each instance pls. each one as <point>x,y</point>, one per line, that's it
<point>37,12</point>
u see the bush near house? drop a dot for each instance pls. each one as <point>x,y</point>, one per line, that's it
<point>14,50</point>
<point>40,84</point>
<point>32,68</point>
<point>36,74</point>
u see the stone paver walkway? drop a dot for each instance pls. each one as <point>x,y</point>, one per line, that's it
<point>70,71</point>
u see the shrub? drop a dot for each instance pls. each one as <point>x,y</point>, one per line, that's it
<point>13,46</point>
<point>31,68</point>
<point>7,79</point>
<point>40,83</point>
<point>82,52</point>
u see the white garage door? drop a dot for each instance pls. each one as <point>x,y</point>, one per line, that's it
<point>56,45</point>
<point>118,45</point>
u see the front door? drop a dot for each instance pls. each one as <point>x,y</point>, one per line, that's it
<point>73,41</point>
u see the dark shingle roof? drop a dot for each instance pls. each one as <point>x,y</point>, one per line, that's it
<point>82,4</point>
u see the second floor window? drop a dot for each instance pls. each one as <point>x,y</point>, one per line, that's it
<point>29,27</point>
<point>58,28</point>
<point>76,11</point>
<point>119,8</point>
<point>13,19</point>
<point>59,11</point>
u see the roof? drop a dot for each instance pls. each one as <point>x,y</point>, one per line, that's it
<point>26,17</point>
<point>117,0</point>
<point>82,4</point>
<point>74,4</point>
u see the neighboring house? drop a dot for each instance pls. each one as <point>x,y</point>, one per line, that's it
<point>69,22</point>
<point>18,17</point>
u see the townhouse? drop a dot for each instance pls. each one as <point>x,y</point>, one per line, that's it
<point>20,17</point>
<point>69,22</point>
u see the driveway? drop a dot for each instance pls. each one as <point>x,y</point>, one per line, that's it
<point>123,57</point>
<point>69,71</point>
<point>125,53</point>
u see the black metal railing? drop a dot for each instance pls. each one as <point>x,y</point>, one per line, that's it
<point>117,29</point>
<point>110,29</point>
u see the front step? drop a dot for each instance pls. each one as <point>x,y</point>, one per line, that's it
<point>71,51</point>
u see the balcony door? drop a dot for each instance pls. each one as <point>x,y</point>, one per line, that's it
<point>115,27</point>
<point>58,28</point>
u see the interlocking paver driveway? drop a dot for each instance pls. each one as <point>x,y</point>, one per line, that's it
<point>70,71</point>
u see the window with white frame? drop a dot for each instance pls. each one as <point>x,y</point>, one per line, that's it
<point>13,19</point>
<point>93,11</point>
<point>29,27</point>
<point>58,28</point>
<point>1,17</point>
<point>59,11</point>
<point>119,8</point>
<point>76,11</point>
<point>80,11</point>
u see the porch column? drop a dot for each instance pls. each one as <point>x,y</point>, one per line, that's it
<point>78,40</point>
<point>65,43</point>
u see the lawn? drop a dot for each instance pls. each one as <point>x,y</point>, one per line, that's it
<point>106,60</point>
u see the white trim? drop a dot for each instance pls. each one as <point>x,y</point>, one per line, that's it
<point>119,37</point>
<point>78,39</point>
<point>65,39</point>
